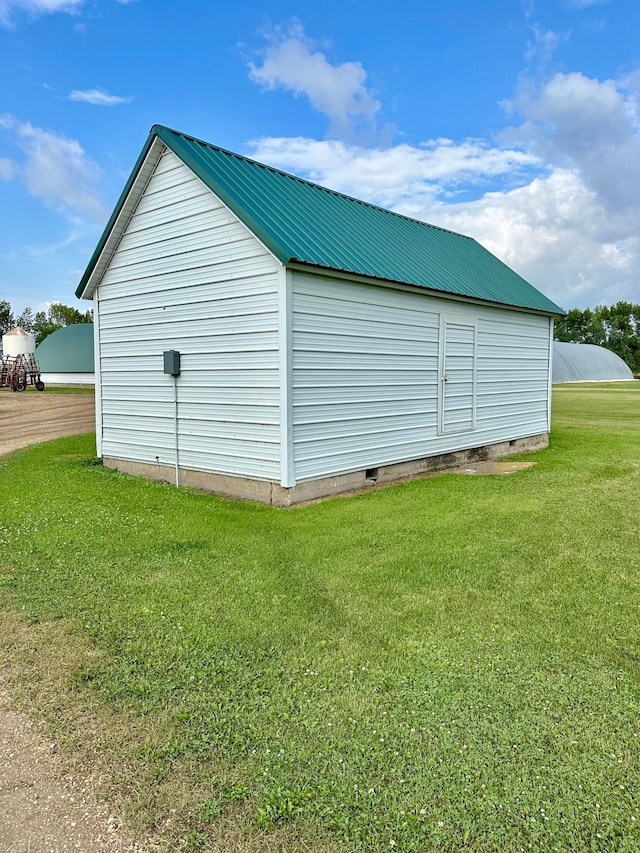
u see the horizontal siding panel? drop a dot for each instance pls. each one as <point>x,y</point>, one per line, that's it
<point>509,379</point>
<point>216,273</point>
<point>206,368</point>
<point>336,412</point>
<point>223,327</point>
<point>184,209</point>
<point>522,410</point>
<point>389,393</point>
<point>209,310</point>
<point>149,232</point>
<point>503,323</point>
<point>313,464</point>
<point>246,466</point>
<point>231,445</point>
<point>177,192</point>
<point>189,426</point>
<point>516,398</point>
<point>166,163</point>
<point>136,265</point>
<point>363,295</point>
<point>371,345</point>
<point>253,341</point>
<point>206,411</point>
<point>306,311</point>
<point>309,361</point>
<point>373,428</point>
<point>166,180</point>
<point>231,401</point>
<point>221,237</point>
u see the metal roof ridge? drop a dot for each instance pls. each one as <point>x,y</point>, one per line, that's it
<point>312,184</point>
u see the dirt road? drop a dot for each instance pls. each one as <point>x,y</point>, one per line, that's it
<point>30,417</point>
<point>44,808</point>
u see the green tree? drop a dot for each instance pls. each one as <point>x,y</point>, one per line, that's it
<point>6,317</point>
<point>25,320</point>
<point>66,315</point>
<point>580,326</point>
<point>616,327</point>
<point>59,315</point>
<point>43,327</point>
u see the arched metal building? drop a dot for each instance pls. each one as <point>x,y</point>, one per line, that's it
<point>587,363</point>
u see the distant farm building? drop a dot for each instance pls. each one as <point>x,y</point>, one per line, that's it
<point>66,356</point>
<point>324,343</point>
<point>587,363</point>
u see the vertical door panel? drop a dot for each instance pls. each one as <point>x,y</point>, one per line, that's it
<point>457,378</point>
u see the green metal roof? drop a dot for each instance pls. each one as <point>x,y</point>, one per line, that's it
<point>308,224</point>
<point>68,350</point>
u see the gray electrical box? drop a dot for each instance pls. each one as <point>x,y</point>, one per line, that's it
<point>172,362</point>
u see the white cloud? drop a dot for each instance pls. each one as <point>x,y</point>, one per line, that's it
<point>35,8</point>
<point>583,4</point>
<point>553,229</point>
<point>387,176</point>
<point>98,97</point>
<point>337,91</point>
<point>57,170</point>
<point>557,234</point>
<point>588,124</point>
<point>7,169</point>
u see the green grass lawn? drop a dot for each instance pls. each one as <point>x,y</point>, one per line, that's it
<point>451,664</point>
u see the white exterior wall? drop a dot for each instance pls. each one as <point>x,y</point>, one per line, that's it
<point>68,378</point>
<point>187,275</point>
<point>367,363</point>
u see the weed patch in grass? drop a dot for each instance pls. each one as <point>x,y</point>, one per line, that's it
<point>448,664</point>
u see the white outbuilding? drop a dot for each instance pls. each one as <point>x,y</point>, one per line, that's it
<point>262,336</point>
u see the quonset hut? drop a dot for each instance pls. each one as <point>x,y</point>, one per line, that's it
<point>66,355</point>
<point>587,363</point>
<point>324,343</point>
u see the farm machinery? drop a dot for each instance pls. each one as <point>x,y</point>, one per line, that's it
<point>18,371</point>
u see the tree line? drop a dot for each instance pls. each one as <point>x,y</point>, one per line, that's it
<point>615,327</point>
<point>41,323</point>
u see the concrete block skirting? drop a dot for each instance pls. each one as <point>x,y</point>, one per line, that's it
<point>267,492</point>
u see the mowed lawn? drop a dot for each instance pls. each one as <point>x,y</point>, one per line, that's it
<point>450,664</point>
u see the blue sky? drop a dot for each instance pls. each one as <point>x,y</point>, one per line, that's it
<point>516,122</point>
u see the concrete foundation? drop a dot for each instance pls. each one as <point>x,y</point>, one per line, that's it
<point>267,492</point>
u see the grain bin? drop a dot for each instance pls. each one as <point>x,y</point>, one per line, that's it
<point>18,342</point>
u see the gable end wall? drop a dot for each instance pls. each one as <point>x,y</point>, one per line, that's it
<point>187,275</point>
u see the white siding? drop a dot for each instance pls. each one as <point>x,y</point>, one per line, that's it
<point>187,275</point>
<point>366,375</point>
